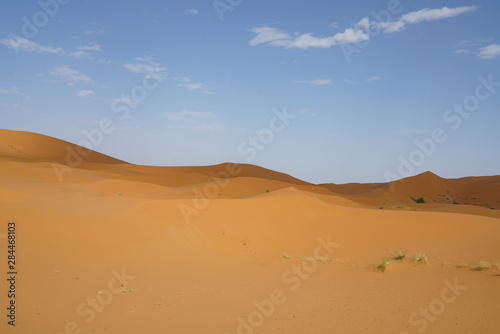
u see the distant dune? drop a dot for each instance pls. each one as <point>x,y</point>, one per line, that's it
<point>111,247</point>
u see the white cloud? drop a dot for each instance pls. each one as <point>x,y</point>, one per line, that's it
<point>415,17</point>
<point>188,84</point>
<point>85,93</point>
<point>145,58</point>
<point>24,44</point>
<point>471,46</point>
<point>460,51</point>
<point>279,38</point>
<point>350,36</point>
<point>81,54</point>
<point>390,27</point>
<point>144,68</point>
<point>364,23</point>
<point>373,78</point>
<point>489,52</point>
<point>196,86</point>
<point>317,82</point>
<point>122,99</point>
<point>99,32</point>
<point>68,74</point>
<point>149,67</point>
<point>186,115</point>
<point>11,91</point>
<point>427,14</point>
<point>95,47</point>
<point>334,25</point>
<point>268,34</point>
<point>192,11</point>
<point>104,61</point>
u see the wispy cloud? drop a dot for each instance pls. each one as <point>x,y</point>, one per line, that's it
<point>489,52</point>
<point>70,75</point>
<point>279,38</point>
<point>373,78</point>
<point>93,32</point>
<point>11,91</point>
<point>81,54</point>
<point>95,47</point>
<point>369,79</point>
<point>12,105</point>
<point>190,85</point>
<point>436,14</point>
<point>146,65</point>
<point>187,116</point>
<point>85,93</point>
<point>425,14</point>
<point>482,48</point>
<point>26,45</point>
<point>192,11</point>
<point>461,51</point>
<point>317,82</point>
<point>104,61</point>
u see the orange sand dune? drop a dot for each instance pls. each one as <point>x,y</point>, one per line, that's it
<point>475,195</point>
<point>112,247</point>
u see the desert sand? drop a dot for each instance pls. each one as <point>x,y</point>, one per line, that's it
<point>105,246</point>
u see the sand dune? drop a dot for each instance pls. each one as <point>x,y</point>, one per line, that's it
<point>112,247</point>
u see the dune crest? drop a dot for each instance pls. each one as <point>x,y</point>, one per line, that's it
<point>215,241</point>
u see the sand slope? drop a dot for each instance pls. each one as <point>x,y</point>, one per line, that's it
<point>119,248</point>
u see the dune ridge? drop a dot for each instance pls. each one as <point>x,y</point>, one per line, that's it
<point>207,247</point>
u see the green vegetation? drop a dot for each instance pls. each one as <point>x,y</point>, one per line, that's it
<point>482,266</point>
<point>382,265</point>
<point>420,258</point>
<point>399,256</point>
<point>419,200</point>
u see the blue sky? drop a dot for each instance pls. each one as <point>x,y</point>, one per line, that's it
<point>202,82</point>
